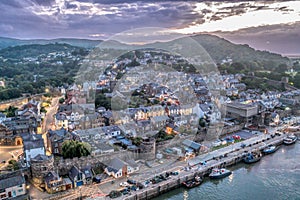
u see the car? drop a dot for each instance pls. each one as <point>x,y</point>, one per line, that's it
<point>217,143</point>
<point>130,181</point>
<point>243,145</point>
<point>125,191</point>
<point>236,137</point>
<point>224,142</point>
<point>134,188</point>
<point>139,186</point>
<point>97,179</point>
<point>229,140</point>
<point>124,184</point>
<point>174,173</point>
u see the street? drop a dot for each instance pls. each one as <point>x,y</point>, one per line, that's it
<point>49,119</point>
<point>9,152</point>
<point>6,152</point>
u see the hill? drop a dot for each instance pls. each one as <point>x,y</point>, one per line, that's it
<point>85,43</point>
<point>29,68</point>
<point>220,49</point>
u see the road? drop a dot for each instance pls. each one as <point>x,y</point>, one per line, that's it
<point>6,152</point>
<point>9,152</point>
<point>49,118</point>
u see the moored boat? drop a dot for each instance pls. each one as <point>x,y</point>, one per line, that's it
<point>219,173</point>
<point>270,149</point>
<point>252,158</point>
<point>291,139</point>
<point>192,183</point>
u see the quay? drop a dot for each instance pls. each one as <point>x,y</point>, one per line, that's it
<point>224,157</point>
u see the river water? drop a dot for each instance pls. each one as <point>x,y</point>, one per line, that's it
<point>274,177</point>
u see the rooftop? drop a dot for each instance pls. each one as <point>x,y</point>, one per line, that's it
<point>11,179</point>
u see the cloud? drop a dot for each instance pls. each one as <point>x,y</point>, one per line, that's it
<point>85,18</point>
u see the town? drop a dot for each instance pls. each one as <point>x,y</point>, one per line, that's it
<point>134,126</point>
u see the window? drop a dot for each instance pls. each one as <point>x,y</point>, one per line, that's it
<point>21,190</point>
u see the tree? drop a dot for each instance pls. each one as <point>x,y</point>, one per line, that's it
<point>13,164</point>
<point>10,112</point>
<point>72,149</point>
<point>102,100</point>
<point>43,110</point>
<point>202,122</point>
<point>61,100</point>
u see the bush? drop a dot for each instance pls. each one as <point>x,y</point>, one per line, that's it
<point>72,149</point>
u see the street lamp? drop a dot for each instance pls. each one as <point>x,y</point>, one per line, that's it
<point>80,197</point>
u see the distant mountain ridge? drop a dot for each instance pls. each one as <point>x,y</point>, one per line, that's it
<point>86,43</point>
<point>218,48</point>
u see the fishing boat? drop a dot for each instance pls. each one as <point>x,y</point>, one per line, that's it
<point>270,149</point>
<point>291,139</point>
<point>193,183</point>
<point>252,158</point>
<point>219,173</point>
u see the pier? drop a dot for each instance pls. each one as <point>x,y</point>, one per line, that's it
<point>224,157</point>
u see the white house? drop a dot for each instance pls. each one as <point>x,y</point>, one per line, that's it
<point>33,145</point>
<point>12,186</point>
<point>119,168</point>
<point>111,131</point>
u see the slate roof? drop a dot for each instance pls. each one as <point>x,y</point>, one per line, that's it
<point>51,176</point>
<point>61,116</point>
<point>87,170</point>
<point>110,129</point>
<point>132,163</point>
<point>11,179</point>
<point>191,144</point>
<point>32,141</point>
<point>115,165</point>
<point>41,157</point>
<point>61,132</point>
<point>74,171</point>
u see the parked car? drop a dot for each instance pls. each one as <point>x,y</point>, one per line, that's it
<point>134,188</point>
<point>236,137</point>
<point>97,179</point>
<point>217,143</point>
<point>125,191</point>
<point>130,181</point>
<point>124,184</point>
<point>114,194</point>
<point>174,173</point>
<point>229,140</point>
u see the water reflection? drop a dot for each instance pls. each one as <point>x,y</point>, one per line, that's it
<point>185,195</point>
<point>230,177</point>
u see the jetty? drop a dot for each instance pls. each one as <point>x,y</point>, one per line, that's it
<point>221,158</point>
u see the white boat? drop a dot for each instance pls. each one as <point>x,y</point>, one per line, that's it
<point>291,139</point>
<point>219,173</point>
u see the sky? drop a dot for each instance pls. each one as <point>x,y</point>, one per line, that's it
<point>239,21</point>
